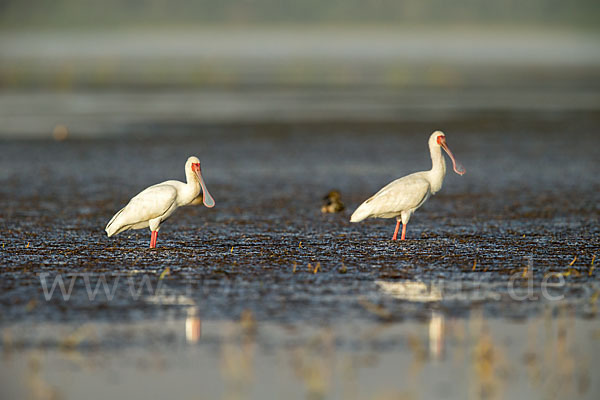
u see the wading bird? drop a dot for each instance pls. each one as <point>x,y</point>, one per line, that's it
<point>155,204</point>
<point>403,196</point>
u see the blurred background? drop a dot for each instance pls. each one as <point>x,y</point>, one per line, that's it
<point>88,68</point>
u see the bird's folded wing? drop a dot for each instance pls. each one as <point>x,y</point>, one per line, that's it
<point>401,194</point>
<point>150,203</point>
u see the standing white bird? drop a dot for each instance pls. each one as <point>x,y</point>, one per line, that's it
<point>155,204</point>
<point>402,197</point>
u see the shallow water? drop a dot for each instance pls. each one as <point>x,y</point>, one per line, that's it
<point>493,295</point>
<point>550,356</point>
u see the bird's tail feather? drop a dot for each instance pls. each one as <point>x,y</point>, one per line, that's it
<point>112,228</point>
<point>362,212</point>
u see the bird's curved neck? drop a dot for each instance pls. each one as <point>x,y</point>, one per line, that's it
<point>192,187</point>
<point>438,169</point>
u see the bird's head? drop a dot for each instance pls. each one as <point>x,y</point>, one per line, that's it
<point>193,165</point>
<point>438,138</point>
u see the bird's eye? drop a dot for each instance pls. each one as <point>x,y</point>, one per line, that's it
<point>440,139</point>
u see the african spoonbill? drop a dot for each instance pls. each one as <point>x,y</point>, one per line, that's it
<point>401,198</point>
<point>153,205</point>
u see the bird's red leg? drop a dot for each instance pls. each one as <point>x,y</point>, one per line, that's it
<point>403,232</point>
<point>396,231</point>
<point>153,239</point>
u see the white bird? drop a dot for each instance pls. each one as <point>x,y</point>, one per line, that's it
<point>155,204</point>
<point>402,197</point>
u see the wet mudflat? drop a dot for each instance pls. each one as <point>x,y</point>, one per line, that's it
<point>493,295</point>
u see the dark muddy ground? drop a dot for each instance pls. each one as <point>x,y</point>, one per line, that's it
<point>526,212</point>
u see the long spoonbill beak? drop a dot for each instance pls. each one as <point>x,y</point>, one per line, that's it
<point>458,168</point>
<point>206,197</point>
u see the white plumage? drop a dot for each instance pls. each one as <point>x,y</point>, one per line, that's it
<point>155,204</point>
<point>402,197</point>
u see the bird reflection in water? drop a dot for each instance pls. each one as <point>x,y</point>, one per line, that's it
<point>421,292</point>
<point>193,326</point>
<point>436,336</point>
